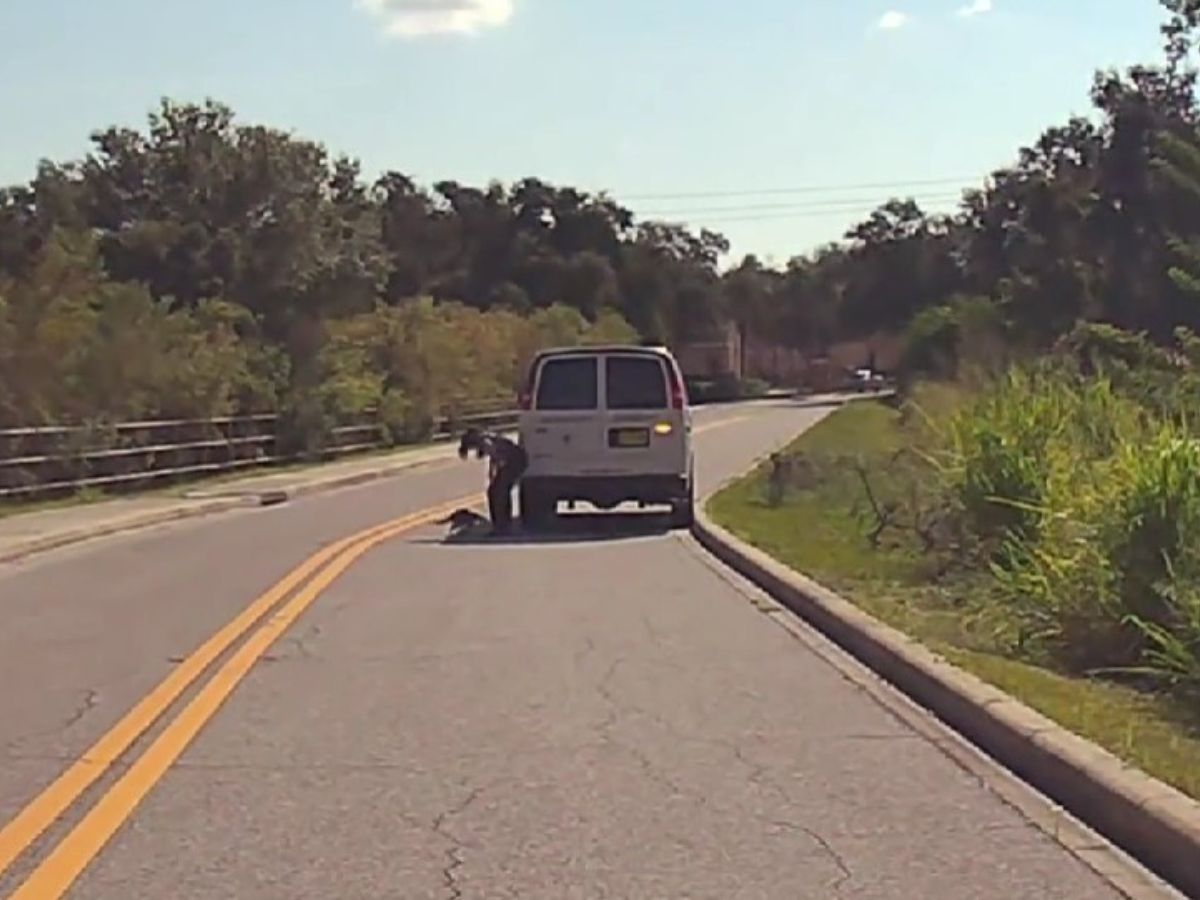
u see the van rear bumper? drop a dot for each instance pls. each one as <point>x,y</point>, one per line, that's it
<point>608,490</point>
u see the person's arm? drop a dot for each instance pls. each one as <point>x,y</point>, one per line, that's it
<point>489,450</point>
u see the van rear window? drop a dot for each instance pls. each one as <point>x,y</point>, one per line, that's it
<point>635,383</point>
<point>567,384</point>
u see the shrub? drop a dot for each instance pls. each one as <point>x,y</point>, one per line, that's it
<point>754,388</point>
<point>997,461</point>
<point>1172,649</point>
<point>940,338</point>
<point>726,388</point>
<point>1090,505</point>
<point>77,346</point>
<point>1156,520</point>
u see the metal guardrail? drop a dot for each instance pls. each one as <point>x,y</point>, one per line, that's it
<point>49,461</point>
<point>58,460</point>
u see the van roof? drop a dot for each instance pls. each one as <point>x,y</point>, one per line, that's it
<point>604,348</point>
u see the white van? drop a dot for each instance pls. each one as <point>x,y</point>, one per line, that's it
<point>605,426</point>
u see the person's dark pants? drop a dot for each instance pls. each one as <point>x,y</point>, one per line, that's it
<point>500,490</point>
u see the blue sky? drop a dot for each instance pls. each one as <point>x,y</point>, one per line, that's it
<point>643,98</point>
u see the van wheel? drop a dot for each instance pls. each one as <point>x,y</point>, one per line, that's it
<point>683,512</point>
<point>536,509</point>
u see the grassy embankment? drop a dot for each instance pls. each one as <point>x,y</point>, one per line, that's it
<point>858,518</point>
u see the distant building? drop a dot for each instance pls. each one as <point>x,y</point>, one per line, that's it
<point>723,354</point>
<point>711,356</point>
<point>880,352</point>
<point>782,366</point>
<point>834,369</point>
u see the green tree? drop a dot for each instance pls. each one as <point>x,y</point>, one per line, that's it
<point>1178,165</point>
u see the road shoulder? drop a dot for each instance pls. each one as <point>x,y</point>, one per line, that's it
<point>1145,818</point>
<point>29,533</point>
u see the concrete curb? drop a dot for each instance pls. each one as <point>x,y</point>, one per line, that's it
<point>1153,822</point>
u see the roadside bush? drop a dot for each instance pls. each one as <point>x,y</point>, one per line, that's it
<point>754,388</point>
<point>1172,651</point>
<point>1154,543</point>
<point>304,427</point>
<point>403,420</point>
<point>413,364</point>
<point>1110,581</point>
<point>1087,503</point>
<point>76,346</point>
<point>930,344</point>
<point>940,338</point>
<point>998,456</point>
<point>1164,379</point>
<point>1099,348</point>
<point>8,375</point>
<point>726,388</point>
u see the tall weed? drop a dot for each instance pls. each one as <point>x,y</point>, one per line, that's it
<point>1172,650</point>
<point>996,458</point>
<point>1090,503</point>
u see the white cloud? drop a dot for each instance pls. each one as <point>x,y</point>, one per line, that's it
<point>416,18</point>
<point>976,8</point>
<point>892,20</point>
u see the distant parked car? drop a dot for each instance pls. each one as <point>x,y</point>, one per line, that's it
<point>865,380</point>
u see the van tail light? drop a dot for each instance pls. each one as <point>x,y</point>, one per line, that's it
<point>524,401</point>
<point>677,398</point>
<point>678,391</point>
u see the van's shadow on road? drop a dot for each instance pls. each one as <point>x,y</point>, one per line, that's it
<point>568,528</point>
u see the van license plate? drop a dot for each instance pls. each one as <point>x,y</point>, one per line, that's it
<point>629,437</point>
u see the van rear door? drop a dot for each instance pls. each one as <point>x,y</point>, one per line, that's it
<point>565,426</point>
<point>644,433</point>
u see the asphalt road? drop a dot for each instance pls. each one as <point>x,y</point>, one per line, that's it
<point>602,713</point>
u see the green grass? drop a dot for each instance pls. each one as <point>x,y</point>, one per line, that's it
<point>821,529</point>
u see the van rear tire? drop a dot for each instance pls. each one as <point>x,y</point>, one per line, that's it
<point>537,510</point>
<point>683,512</point>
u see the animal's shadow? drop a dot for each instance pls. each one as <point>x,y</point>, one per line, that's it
<point>565,528</point>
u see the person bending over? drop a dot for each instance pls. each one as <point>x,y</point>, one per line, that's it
<point>507,462</point>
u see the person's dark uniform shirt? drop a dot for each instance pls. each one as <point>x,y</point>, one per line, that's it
<point>508,461</point>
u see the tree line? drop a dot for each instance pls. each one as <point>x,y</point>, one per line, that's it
<point>207,267</point>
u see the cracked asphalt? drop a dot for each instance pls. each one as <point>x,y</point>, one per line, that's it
<point>604,713</point>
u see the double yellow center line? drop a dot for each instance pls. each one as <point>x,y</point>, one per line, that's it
<point>58,871</point>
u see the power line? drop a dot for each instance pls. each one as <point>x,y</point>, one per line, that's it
<point>778,217</point>
<point>808,189</point>
<point>830,205</point>
<point>774,217</point>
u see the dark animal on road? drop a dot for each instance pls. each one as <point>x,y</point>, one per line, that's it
<point>464,520</point>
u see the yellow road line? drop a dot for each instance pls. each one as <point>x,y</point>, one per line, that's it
<point>712,426</point>
<point>61,868</point>
<point>17,836</point>
<point>68,860</point>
